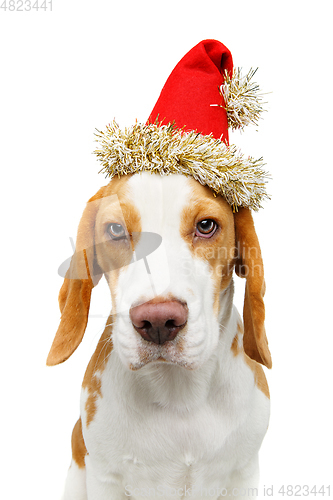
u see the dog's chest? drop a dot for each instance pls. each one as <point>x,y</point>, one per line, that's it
<point>151,446</point>
<point>157,449</point>
<point>175,456</point>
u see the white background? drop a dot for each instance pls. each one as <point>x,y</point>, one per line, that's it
<point>65,72</point>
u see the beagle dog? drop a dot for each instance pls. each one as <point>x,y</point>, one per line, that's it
<point>174,401</point>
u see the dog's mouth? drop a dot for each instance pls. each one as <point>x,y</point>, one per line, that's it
<point>168,353</point>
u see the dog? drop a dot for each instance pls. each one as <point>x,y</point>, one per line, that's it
<point>174,401</point>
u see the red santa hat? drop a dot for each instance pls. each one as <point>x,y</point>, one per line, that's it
<point>187,131</point>
<point>191,92</point>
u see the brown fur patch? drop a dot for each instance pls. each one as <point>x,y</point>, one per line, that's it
<point>218,250</point>
<point>112,255</point>
<point>259,375</point>
<point>79,449</point>
<point>236,346</point>
<point>92,381</point>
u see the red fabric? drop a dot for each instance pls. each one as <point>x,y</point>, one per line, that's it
<point>192,87</point>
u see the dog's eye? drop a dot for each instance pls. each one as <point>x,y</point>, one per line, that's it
<point>116,231</point>
<point>206,228</point>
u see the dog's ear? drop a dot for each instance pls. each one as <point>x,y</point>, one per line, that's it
<point>249,265</point>
<point>74,297</point>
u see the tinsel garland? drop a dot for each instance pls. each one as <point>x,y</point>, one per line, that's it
<point>165,150</point>
<point>243,99</point>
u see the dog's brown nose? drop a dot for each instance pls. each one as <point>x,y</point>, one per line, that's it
<point>159,322</point>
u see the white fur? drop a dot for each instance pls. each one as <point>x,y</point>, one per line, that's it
<point>75,487</point>
<point>189,427</point>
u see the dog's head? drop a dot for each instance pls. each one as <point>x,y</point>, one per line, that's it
<point>167,304</point>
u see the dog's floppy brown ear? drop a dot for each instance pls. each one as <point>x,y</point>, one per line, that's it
<point>249,265</point>
<point>74,297</point>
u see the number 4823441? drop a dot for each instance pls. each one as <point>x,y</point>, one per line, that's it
<point>26,5</point>
<point>304,490</point>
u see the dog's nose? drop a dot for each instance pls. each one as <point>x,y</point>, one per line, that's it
<point>159,322</point>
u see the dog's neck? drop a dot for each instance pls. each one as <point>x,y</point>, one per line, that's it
<point>175,387</point>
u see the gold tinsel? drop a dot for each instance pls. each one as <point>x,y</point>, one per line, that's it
<point>166,150</point>
<point>242,97</point>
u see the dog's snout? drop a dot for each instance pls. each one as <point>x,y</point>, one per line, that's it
<point>159,322</point>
